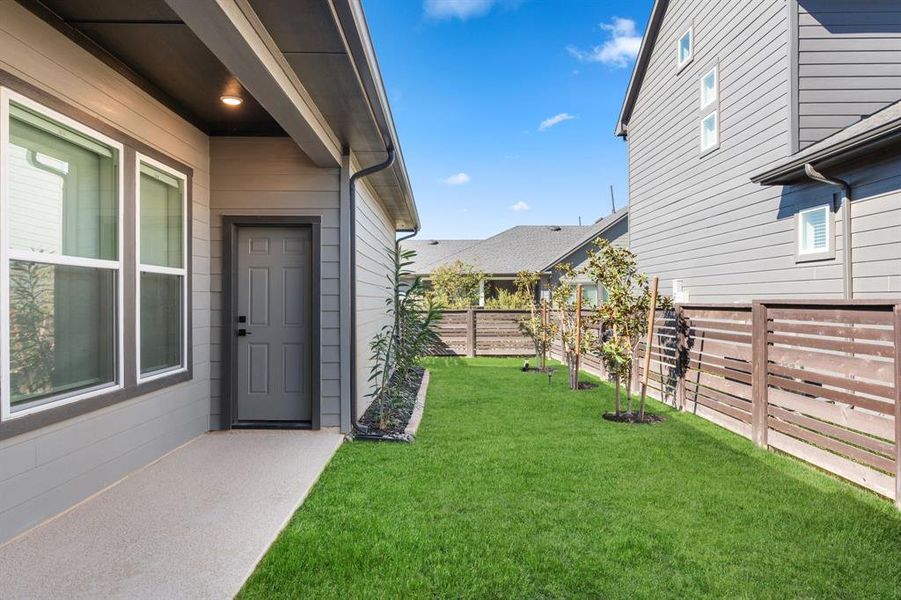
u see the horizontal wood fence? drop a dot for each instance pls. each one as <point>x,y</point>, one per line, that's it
<point>482,332</point>
<point>820,381</point>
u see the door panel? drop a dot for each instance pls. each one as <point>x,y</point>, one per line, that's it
<point>272,382</point>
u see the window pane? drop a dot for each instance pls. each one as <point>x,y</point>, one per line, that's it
<point>709,131</point>
<point>161,322</point>
<point>57,345</point>
<point>62,189</point>
<point>161,218</point>
<point>685,47</point>
<point>813,231</point>
<point>708,88</point>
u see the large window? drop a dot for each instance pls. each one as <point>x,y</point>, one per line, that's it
<point>162,272</point>
<point>61,203</point>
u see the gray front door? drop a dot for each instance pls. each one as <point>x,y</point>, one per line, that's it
<point>273,324</point>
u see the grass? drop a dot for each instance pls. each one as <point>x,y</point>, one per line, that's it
<point>518,489</point>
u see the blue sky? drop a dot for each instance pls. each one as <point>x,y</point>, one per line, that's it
<point>472,81</point>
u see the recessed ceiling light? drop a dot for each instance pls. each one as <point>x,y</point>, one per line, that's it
<point>231,100</point>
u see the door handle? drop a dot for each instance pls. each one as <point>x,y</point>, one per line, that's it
<point>243,332</point>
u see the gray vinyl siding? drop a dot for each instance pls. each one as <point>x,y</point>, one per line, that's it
<point>270,177</point>
<point>375,233</point>
<point>48,470</point>
<point>699,218</point>
<point>849,63</point>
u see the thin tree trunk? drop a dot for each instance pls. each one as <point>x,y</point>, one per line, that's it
<point>617,395</point>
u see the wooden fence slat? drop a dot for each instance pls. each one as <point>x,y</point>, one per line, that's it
<point>733,388</point>
<point>827,443</point>
<point>831,344</point>
<point>854,385</point>
<point>829,330</point>
<point>840,433</point>
<point>722,336</point>
<point>868,422</point>
<point>860,474</point>
<point>848,366</point>
<point>831,394</point>
<point>876,316</point>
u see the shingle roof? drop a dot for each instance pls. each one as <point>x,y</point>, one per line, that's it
<point>524,247</point>
<point>432,253</point>
<point>865,135</point>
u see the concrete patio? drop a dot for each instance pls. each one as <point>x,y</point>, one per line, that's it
<point>191,525</point>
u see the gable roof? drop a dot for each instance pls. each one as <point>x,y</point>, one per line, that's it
<point>524,247</point>
<point>876,131</point>
<point>641,66</point>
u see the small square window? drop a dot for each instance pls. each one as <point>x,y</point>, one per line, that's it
<point>684,49</point>
<point>813,231</point>
<point>709,88</point>
<point>710,131</point>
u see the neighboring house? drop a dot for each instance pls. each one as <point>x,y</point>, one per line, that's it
<point>726,96</point>
<point>188,241</point>
<point>523,248</point>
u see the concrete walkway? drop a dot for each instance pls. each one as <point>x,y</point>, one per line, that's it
<point>191,525</point>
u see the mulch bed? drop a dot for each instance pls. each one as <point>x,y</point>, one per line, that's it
<point>399,408</point>
<point>633,418</point>
<point>587,385</point>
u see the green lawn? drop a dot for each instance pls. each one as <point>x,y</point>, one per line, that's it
<point>518,489</point>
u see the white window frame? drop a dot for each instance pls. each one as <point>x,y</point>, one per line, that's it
<point>821,253</point>
<point>716,118</point>
<point>691,48</point>
<point>142,268</point>
<point>716,88</point>
<point>7,254</point>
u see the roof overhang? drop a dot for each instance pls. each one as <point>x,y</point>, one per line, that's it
<point>866,143</point>
<point>305,68</point>
<point>313,67</point>
<point>641,66</point>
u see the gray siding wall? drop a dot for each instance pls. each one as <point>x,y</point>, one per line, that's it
<point>271,176</point>
<point>699,218</point>
<point>375,233</point>
<point>875,223</point>
<point>849,63</point>
<point>46,471</point>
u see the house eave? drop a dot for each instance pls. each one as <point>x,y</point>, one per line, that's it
<point>865,144</point>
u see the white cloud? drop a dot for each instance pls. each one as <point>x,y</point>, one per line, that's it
<point>556,119</point>
<point>457,179</point>
<point>520,206</point>
<point>621,48</point>
<point>457,9</point>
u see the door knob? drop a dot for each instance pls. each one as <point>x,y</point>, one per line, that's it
<point>243,332</point>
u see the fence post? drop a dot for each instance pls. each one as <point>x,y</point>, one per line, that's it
<point>681,356</point>
<point>897,324</point>
<point>759,425</point>
<point>470,333</point>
